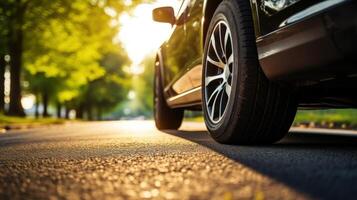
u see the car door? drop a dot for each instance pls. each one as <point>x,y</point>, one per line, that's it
<point>188,81</point>
<point>175,55</point>
<point>193,36</point>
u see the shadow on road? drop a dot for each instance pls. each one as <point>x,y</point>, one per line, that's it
<point>321,166</point>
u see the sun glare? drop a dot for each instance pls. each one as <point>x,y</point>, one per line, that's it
<point>28,101</point>
<point>140,34</point>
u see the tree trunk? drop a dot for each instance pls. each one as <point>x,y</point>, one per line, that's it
<point>37,106</point>
<point>89,113</point>
<point>66,115</point>
<point>79,112</point>
<point>16,49</point>
<point>45,104</point>
<point>15,108</point>
<point>2,85</point>
<point>99,113</point>
<point>59,110</point>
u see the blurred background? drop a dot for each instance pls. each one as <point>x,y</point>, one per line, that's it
<point>91,60</point>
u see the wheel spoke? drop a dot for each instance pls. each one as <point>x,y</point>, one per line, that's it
<point>226,37</point>
<point>228,90</point>
<point>214,103</point>
<point>217,90</point>
<point>230,59</point>
<point>213,43</point>
<point>220,106</point>
<point>220,40</point>
<point>217,64</point>
<point>209,79</point>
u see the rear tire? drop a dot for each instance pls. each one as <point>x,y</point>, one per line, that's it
<point>165,117</point>
<point>258,111</point>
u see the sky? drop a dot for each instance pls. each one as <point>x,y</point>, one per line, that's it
<point>140,35</point>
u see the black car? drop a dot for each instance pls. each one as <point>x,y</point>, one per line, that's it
<point>249,64</point>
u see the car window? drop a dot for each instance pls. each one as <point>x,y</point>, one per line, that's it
<point>182,9</point>
<point>175,4</point>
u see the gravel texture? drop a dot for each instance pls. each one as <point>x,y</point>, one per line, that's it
<point>132,160</point>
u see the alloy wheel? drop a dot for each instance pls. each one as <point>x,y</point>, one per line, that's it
<point>218,75</point>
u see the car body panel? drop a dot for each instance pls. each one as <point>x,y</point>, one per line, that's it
<point>183,52</point>
<point>272,13</point>
<point>287,32</point>
<point>173,50</point>
<point>309,44</point>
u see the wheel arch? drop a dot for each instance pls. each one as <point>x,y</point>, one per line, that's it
<point>210,6</point>
<point>159,61</point>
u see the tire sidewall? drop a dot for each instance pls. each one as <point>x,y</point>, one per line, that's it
<point>165,117</point>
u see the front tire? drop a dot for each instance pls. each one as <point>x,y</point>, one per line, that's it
<point>165,117</point>
<point>241,106</point>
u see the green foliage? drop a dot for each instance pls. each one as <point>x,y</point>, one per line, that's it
<point>67,50</point>
<point>24,122</point>
<point>337,116</point>
<point>331,115</point>
<point>104,93</point>
<point>142,86</point>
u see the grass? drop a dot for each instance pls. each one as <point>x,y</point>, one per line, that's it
<point>194,119</point>
<point>343,117</point>
<point>28,121</point>
<point>337,116</point>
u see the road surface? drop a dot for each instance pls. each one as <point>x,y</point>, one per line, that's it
<point>132,160</point>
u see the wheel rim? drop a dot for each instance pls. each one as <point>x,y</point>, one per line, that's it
<point>218,72</point>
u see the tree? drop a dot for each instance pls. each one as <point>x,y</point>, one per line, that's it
<point>2,80</point>
<point>3,52</point>
<point>60,43</point>
<point>142,86</point>
<point>15,22</point>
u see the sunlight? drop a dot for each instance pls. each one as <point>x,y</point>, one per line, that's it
<point>140,34</point>
<point>28,101</point>
<point>131,95</point>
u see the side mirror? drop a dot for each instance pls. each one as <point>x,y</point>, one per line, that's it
<point>164,15</point>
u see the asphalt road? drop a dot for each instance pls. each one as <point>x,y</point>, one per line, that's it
<point>132,160</point>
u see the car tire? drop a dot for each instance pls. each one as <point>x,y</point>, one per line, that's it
<point>256,110</point>
<point>165,117</point>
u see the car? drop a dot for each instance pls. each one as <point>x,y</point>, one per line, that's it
<point>250,64</point>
